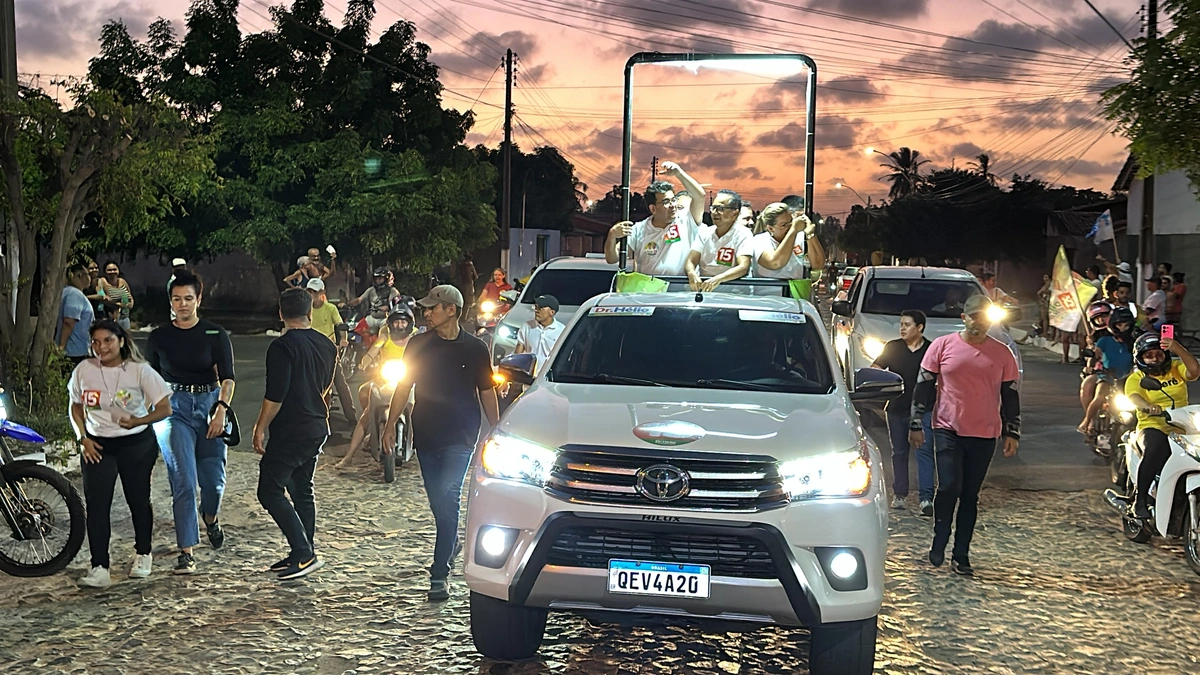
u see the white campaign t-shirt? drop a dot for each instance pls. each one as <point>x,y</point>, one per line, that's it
<point>1155,305</point>
<point>719,254</point>
<point>796,266</point>
<point>111,394</point>
<point>663,252</point>
<point>539,340</point>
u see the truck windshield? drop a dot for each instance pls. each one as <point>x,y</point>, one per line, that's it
<point>698,347</point>
<point>937,298</point>
<point>570,287</point>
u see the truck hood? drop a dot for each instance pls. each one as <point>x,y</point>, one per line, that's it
<point>783,426</point>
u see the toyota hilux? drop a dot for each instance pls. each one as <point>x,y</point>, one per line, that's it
<point>696,456</point>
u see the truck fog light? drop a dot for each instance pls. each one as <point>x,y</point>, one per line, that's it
<point>493,545</point>
<point>844,565</point>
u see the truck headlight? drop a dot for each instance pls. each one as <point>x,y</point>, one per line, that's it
<point>872,347</point>
<point>511,458</point>
<point>506,332</point>
<point>835,474</point>
<point>393,371</point>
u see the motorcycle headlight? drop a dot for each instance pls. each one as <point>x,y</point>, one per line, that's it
<point>511,458</point>
<point>996,313</point>
<point>836,474</point>
<point>393,371</point>
<point>487,306</point>
<point>1188,444</point>
<point>872,347</point>
<point>1122,403</point>
<point>3,411</point>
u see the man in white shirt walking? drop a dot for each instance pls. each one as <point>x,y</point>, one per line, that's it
<point>660,245</point>
<point>721,253</point>
<point>538,336</point>
<point>1156,303</point>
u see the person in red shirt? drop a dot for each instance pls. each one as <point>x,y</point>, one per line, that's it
<point>1175,299</point>
<point>493,288</point>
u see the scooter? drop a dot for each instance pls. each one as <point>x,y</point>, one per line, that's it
<point>491,313</point>
<point>1175,495</point>
<point>383,385</point>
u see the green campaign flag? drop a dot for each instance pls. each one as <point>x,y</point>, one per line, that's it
<point>635,282</point>
<point>801,289</point>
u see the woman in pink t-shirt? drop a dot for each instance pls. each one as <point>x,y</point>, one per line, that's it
<point>968,379</point>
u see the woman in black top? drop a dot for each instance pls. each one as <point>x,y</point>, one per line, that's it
<point>196,358</point>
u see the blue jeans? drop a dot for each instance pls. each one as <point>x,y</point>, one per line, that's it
<point>962,465</point>
<point>443,470</point>
<point>192,459</point>
<point>898,431</point>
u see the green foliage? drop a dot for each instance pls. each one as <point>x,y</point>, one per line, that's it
<point>41,404</point>
<point>543,186</point>
<point>1156,108</point>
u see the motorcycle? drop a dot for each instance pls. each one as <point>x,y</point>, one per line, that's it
<point>1175,495</point>
<point>491,313</point>
<point>1115,420</point>
<point>43,512</point>
<point>383,385</point>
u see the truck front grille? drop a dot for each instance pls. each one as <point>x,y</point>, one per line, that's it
<point>728,556</point>
<point>716,482</point>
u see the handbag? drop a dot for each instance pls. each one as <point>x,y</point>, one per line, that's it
<point>233,433</point>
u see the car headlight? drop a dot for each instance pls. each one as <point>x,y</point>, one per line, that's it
<point>836,474</point>
<point>1122,403</point>
<point>506,332</point>
<point>872,347</point>
<point>393,371</point>
<point>996,313</point>
<point>517,459</point>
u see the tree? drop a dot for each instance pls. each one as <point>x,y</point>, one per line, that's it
<point>982,165</point>
<point>126,164</point>
<point>609,206</point>
<point>322,136</point>
<point>1156,108</point>
<point>905,177</point>
<point>545,189</point>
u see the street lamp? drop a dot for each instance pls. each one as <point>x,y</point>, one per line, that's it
<point>843,186</point>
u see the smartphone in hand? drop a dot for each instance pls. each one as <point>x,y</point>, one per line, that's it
<point>1168,332</point>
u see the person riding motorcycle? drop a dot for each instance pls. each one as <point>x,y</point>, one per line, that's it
<point>1114,361</point>
<point>1097,316</point>
<point>1153,357</point>
<point>393,338</point>
<point>380,298</point>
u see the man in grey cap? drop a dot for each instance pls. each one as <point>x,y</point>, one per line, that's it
<point>538,336</point>
<point>452,372</point>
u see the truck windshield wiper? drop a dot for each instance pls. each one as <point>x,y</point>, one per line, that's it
<point>723,383</point>
<point>605,378</point>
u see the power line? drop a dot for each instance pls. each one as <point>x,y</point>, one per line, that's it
<point>1109,24</point>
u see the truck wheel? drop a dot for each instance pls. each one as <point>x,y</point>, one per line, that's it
<point>843,648</point>
<point>504,631</point>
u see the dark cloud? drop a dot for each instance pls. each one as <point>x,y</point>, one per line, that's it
<point>875,9</point>
<point>848,89</point>
<point>70,29</point>
<point>479,54</point>
<point>964,149</point>
<point>833,131</point>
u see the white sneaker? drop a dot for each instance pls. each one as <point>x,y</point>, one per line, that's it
<point>142,566</point>
<point>97,578</point>
<point>899,502</point>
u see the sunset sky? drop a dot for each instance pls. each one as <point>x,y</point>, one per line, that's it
<point>1018,79</point>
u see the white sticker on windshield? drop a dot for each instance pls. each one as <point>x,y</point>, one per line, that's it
<point>771,317</point>
<point>623,310</point>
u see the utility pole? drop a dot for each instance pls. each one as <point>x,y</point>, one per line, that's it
<point>653,169</point>
<point>1146,246</point>
<point>506,197</point>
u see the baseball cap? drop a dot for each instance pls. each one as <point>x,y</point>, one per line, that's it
<point>444,294</point>
<point>547,301</point>
<point>1124,267</point>
<point>316,285</point>
<point>976,303</point>
<point>178,262</point>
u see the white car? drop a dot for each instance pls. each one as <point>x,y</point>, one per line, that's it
<point>687,457</point>
<point>869,317</point>
<point>572,280</point>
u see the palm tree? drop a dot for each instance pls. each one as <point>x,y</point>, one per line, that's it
<point>982,166</point>
<point>906,178</point>
<point>581,189</point>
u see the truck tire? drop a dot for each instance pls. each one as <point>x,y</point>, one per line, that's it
<point>504,631</point>
<point>843,648</point>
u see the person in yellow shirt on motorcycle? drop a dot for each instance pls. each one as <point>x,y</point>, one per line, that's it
<point>393,338</point>
<point>1153,357</point>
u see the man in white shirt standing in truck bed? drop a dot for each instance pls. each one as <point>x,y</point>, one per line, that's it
<point>721,252</point>
<point>660,245</point>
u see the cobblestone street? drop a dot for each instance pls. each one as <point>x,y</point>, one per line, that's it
<point>1058,590</point>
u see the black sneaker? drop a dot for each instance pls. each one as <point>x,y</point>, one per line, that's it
<point>280,566</point>
<point>216,535</point>
<point>301,569</point>
<point>936,557</point>
<point>962,566</point>
<point>439,590</point>
<point>1142,512</point>
<point>185,564</point>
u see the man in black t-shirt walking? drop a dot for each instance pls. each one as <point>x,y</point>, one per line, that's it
<point>299,373</point>
<point>452,373</point>
<point>903,357</point>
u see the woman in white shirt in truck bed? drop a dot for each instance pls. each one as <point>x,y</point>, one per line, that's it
<point>785,246</point>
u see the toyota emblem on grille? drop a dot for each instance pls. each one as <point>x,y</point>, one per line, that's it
<point>662,483</point>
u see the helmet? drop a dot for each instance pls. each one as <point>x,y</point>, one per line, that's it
<point>381,272</point>
<point>1098,314</point>
<point>1121,315</point>
<point>386,278</point>
<point>401,314</point>
<point>1148,342</point>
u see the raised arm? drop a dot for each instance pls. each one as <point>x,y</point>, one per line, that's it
<point>691,185</point>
